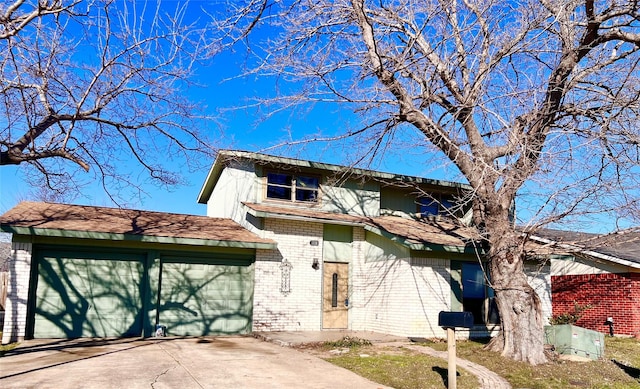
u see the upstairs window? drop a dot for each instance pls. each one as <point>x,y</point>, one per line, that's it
<point>438,205</point>
<point>290,187</point>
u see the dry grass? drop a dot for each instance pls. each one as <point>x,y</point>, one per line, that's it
<point>402,368</point>
<point>6,347</point>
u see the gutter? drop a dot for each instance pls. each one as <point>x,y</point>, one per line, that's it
<point>30,231</point>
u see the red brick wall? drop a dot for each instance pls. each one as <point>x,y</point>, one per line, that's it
<point>609,295</point>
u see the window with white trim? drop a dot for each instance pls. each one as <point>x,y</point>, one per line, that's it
<point>291,187</point>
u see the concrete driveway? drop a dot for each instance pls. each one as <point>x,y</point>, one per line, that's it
<point>211,362</point>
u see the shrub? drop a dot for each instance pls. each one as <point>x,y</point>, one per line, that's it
<point>570,317</point>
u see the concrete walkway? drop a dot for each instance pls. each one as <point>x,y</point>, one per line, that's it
<point>166,363</point>
<point>486,378</point>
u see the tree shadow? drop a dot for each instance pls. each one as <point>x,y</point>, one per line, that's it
<point>197,299</point>
<point>32,346</point>
<point>633,372</point>
<point>88,297</point>
<point>77,350</point>
<point>105,295</point>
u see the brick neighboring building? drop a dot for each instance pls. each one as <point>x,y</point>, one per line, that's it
<point>601,275</point>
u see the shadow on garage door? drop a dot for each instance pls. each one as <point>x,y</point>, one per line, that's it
<point>107,294</point>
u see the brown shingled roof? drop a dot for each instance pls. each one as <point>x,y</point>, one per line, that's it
<point>427,231</point>
<point>63,217</point>
<point>306,213</point>
<point>412,231</point>
<point>623,244</point>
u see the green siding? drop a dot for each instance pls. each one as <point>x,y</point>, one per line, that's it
<point>337,243</point>
<point>202,298</point>
<point>351,197</point>
<point>383,249</point>
<point>456,286</point>
<point>151,298</point>
<point>398,200</point>
<point>89,291</point>
<point>94,295</point>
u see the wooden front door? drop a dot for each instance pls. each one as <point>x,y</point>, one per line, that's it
<point>335,295</point>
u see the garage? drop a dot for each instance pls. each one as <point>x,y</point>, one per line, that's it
<point>86,271</point>
<point>98,294</point>
<point>204,297</point>
<point>88,295</point>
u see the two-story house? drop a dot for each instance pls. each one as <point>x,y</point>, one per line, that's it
<point>287,244</point>
<point>357,249</point>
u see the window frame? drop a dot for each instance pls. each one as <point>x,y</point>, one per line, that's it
<point>439,200</point>
<point>294,188</point>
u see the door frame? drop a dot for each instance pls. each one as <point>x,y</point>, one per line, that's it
<point>340,295</point>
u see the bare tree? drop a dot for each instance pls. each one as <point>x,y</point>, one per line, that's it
<point>508,92</point>
<point>100,85</point>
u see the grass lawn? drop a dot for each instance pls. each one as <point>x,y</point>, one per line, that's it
<point>402,368</point>
<point>6,347</point>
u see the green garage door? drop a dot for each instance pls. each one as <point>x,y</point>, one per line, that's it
<point>201,297</point>
<point>88,295</point>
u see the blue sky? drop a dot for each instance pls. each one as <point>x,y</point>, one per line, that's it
<point>233,128</point>
<point>244,129</point>
<point>237,128</point>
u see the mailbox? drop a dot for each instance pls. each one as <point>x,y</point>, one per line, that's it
<point>455,319</point>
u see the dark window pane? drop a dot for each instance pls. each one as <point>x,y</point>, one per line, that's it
<point>447,206</point>
<point>477,297</point>
<point>473,281</point>
<point>494,315</point>
<point>278,192</point>
<point>279,179</point>
<point>334,290</point>
<point>307,182</point>
<point>428,207</point>
<point>306,195</point>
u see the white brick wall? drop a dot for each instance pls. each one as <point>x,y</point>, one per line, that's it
<point>401,296</point>
<point>15,319</point>
<point>405,295</point>
<point>539,277</point>
<point>358,283</point>
<point>300,309</point>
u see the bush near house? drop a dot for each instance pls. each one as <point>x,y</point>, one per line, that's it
<point>570,317</point>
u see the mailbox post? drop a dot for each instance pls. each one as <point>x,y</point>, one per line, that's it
<point>449,321</point>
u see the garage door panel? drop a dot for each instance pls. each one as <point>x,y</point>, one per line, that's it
<point>99,294</point>
<point>203,299</point>
<point>84,296</point>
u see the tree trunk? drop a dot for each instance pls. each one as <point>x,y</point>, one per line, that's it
<point>521,334</point>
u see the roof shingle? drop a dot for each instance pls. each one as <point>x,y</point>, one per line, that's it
<point>412,231</point>
<point>64,217</point>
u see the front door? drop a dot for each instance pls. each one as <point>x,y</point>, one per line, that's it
<point>335,295</point>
